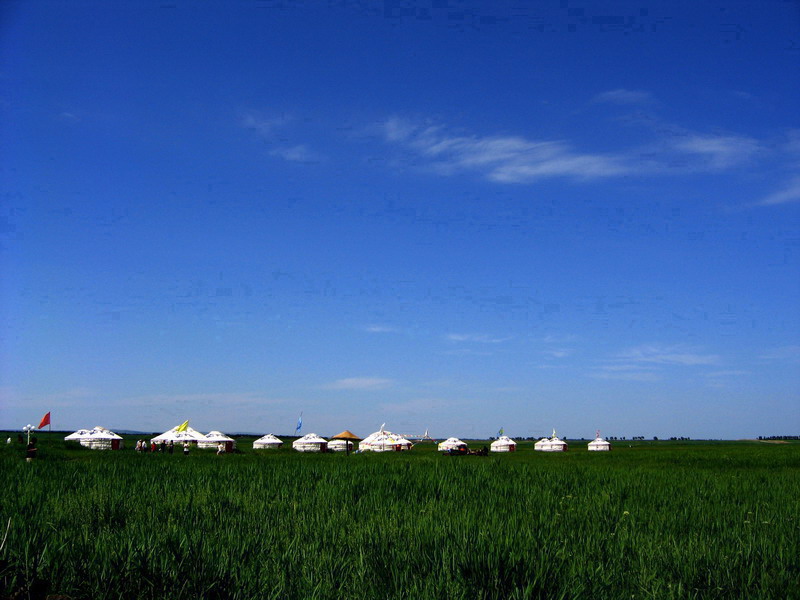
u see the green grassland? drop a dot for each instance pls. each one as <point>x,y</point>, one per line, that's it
<point>648,520</point>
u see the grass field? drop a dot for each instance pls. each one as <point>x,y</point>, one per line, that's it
<point>648,520</point>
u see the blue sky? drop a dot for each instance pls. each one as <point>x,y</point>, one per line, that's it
<point>449,216</point>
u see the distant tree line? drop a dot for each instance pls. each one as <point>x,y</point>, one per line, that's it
<point>614,438</point>
<point>779,437</point>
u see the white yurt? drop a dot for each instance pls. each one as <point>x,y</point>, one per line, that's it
<point>179,434</point>
<point>214,438</point>
<point>98,438</point>
<point>598,444</point>
<point>384,441</point>
<point>267,442</point>
<point>503,444</point>
<point>552,444</point>
<point>452,444</point>
<point>340,446</point>
<point>310,442</point>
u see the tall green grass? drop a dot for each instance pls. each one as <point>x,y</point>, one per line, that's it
<point>651,521</point>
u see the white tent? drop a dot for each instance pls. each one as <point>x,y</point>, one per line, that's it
<point>452,444</point>
<point>384,441</point>
<point>179,435</point>
<point>98,438</point>
<point>598,444</point>
<point>214,438</point>
<point>310,442</point>
<point>503,444</point>
<point>267,442</point>
<point>553,444</point>
<point>339,445</point>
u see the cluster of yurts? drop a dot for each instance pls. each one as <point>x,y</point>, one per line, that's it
<point>100,438</point>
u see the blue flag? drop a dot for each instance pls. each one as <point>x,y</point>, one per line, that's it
<point>500,433</point>
<point>299,423</point>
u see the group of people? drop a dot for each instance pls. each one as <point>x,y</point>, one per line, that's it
<point>142,446</point>
<point>30,449</point>
<point>464,451</point>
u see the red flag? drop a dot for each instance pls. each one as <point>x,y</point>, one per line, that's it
<point>45,421</point>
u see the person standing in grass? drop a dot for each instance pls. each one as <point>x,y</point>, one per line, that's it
<point>30,451</point>
<point>186,448</point>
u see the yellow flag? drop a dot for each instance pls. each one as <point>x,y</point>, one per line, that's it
<point>183,426</point>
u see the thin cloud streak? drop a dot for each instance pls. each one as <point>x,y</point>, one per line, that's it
<point>360,384</point>
<point>667,355</point>
<point>515,159</point>
<point>269,129</point>
<point>623,96</point>
<point>504,159</point>
<point>789,193</point>
<point>626,375</point>
<point>380,329</point>
<point>264,126</point>
<point>479,338</point>
<point>718,152</point>
<point>790,354</point>
<point>299,153</point>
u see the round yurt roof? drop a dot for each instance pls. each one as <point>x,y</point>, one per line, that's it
<point>268,439</point>
<point>451,442</point>
<point>217,436</point>
<point>187,434</point>
<point>599,442</point>
<point>382,438</point>
<point>97,433</point>
<point>503,440</point>
<point>553,442</point>
<point>310,438</point>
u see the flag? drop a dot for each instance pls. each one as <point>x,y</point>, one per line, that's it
<point>183,426</point>
<point>500,433</point>
<point>299,423</point>
<point>45,421</point>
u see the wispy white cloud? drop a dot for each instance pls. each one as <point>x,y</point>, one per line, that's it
<point>650,362</point>
<point>790,192</point>
<point>728,373</point>
<point>273,131</point>
<point>10,397</point>
<point>505,159</point>
<point>558,352</point>
<point>476,338</point>
<point>623,96</point>
<point>790,354</point>
<point>667,355</point>
<point>360,383</point>
<point>379,329</point>
<point>266,127</point>
<point>625,374</point>
<point>466,352</point>
<point>298,153</point>
<point>717,152</point>
<point>414,406</point>
<point>516,159</point>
